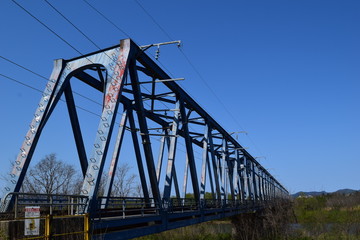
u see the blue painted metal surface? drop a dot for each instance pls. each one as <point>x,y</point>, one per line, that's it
<point>236,181</point>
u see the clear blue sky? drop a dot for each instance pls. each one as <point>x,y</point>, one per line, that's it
<point>288,71</point>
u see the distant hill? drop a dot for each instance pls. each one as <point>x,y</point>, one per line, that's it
<point>314,193</point>
<point>346,191</point>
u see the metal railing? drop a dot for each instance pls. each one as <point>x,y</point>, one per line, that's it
<point>127,206</point>
<point>53,204</point>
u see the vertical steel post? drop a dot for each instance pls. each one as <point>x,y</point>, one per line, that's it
<point>216,169</point>
<point>259,183</point>
<point>172,153</point>
<point>242,176</point>
<point>236,185</point>
<point>230,166</point>
<point>256,196</point>
<point>204,163</point>
<point>174,176</point>
<point>211,179</point>
<point>161,155</point>
<point>223,170</point>
<point>248,176</point>
<point>186,170</point>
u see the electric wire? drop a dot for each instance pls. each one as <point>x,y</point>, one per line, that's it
<point>198,73</point>
<point>63,16</point>
<point>48,28</point>
<point>38,90</point>
<point>45,78</point>
<point>67,43</point>
<point>74,48</point>
<point>107,19</point>
<point>89,39</point>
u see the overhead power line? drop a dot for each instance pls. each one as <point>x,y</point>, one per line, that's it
<point>107,19</point>
<point>38,90</point>
<point>45,78</point>
<point>198,73</point>
<point>62,15</point>
<point>48,28</point>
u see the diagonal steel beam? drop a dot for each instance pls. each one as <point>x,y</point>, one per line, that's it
<point>138,156</point>
<point>189,151</point>
<point>114,160</point>
<point>76,129</point>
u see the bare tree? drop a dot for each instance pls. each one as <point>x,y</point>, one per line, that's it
<point>124,182</point>
<point>50,176</point>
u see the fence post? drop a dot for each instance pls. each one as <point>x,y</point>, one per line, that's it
<point>51,203</point>
<point>16,206</point>
<point>48,221</point>
<point>123,208</point>
<point>69,201</point>
<point>86,226</point>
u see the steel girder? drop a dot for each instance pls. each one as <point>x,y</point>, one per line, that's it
<point>232,172</point>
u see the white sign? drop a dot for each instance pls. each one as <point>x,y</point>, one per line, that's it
<point>32,225</point>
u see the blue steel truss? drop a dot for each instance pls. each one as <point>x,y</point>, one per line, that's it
<point>236,181</point>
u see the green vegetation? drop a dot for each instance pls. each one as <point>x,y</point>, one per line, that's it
<point>330,217</point>
<point>324,217</point>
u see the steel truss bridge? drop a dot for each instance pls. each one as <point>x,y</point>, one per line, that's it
<point>236,181</point>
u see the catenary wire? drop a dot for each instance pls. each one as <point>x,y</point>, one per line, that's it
<point>48,28</point>
<point>61,38</point>
<point>107,19</point>
<point>198,73</point>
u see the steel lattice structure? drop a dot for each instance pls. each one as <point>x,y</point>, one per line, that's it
<point>227,168</point>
